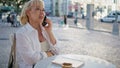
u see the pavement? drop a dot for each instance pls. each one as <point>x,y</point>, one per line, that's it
<point>72,40</point>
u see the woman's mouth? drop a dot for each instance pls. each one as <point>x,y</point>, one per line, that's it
<point>41,16</point>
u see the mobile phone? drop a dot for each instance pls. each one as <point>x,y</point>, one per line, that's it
<point>44,23</point>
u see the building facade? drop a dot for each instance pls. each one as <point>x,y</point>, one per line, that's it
<point>63,7</point>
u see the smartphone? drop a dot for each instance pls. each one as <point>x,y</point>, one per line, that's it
<point>44,23</point>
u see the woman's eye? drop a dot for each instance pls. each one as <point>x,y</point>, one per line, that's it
<point>43,10</point>
<point>37,9</point>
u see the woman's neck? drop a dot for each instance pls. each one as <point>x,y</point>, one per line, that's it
<point>35,25</point>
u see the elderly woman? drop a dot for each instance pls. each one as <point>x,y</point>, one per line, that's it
<point>34,42</point>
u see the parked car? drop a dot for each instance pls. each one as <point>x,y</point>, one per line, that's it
<point>108,18</point>
<point>70,15</point>
<point>111,17</point>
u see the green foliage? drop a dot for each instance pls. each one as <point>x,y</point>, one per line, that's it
<point>14,3</point>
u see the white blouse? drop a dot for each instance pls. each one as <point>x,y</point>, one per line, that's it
<point>45,46</point>
<point>28,47</point>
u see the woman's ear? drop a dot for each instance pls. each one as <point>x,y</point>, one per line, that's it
<point>27,12</point>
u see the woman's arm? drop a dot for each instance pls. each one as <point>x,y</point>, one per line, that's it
<point>52,38</point>
<point>49,31</point>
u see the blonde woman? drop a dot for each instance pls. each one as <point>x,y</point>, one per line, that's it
<point>34,42</point>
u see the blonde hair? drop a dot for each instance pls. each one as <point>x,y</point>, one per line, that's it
<point>28,5</point>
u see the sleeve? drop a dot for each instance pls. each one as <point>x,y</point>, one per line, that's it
<point>54,48</point>
<point>24,48</point>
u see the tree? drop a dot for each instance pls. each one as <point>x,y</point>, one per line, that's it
<point>18,3</point>
<point>14,3</point>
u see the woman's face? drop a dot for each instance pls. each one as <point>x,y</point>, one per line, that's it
<point>36,13</point>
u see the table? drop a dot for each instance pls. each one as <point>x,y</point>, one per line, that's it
<point>89,62</point>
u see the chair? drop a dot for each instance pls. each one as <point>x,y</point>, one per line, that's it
<point>12,57</point>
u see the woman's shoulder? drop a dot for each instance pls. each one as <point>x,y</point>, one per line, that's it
<point>21,30</point>
<point>25,29</point>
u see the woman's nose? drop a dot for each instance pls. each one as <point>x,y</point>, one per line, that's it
<point>43,13</point>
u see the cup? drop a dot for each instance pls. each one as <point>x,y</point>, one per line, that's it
<point>66,65</point>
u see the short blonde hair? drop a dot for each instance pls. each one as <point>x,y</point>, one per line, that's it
<point>28,5</point>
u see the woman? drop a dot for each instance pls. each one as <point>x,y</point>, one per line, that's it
<point>34,41</point>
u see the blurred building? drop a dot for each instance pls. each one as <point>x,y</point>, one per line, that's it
<point>48,7</point>
<point>63,7</point>
<point>56,7</point>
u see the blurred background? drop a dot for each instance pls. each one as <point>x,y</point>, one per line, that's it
<point>100,11</point>
<point>87,27</point>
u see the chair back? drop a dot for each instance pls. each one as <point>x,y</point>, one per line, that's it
<point>12,56</point>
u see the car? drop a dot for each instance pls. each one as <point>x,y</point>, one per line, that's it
<point>70,15</point>
<point>111,17</point>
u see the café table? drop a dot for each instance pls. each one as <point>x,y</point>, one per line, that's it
<point>88,62</point>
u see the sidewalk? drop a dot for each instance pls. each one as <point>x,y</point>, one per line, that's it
<point>71,40</point>
<point>86,42</point>
<point>81,24</point>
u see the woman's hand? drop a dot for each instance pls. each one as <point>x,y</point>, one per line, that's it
<point>48,27</point>
<point>49,53</point>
